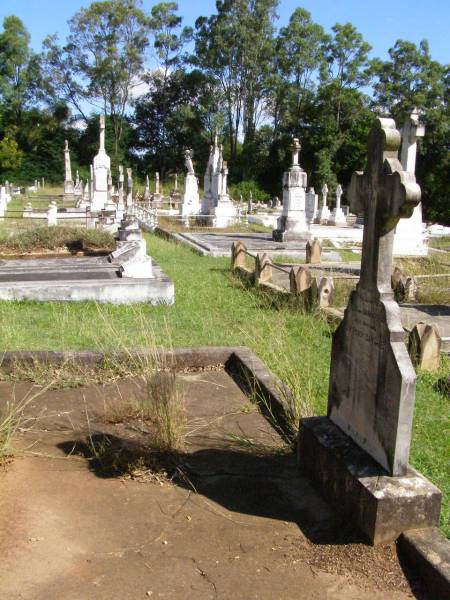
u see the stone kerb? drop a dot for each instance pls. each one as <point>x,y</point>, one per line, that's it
<point>238,255</point>
<point>424,347</point>
<point>313,252</point>
<point>304,286</point>
<point>263,268</point>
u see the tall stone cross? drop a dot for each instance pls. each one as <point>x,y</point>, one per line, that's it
<point>102,133</point>
<point>295,149</point>
<point>411,131</point>
<point>372,381</point>
<point>384,193</point>
<point>68,170</point>
<point>324,194</point>
<point>339,192</point>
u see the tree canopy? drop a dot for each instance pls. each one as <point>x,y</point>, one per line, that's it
<point>165,87</point>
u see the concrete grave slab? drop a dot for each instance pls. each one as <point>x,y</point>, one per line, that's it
<point>219,244</point>
<point>253,526</point>
<point>82,278</point>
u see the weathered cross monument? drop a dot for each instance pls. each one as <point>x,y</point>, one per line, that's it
<point>216,202</point>
<point>359,454</point>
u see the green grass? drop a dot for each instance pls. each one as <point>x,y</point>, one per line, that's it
<point>214,308</point>
<point>39,201</point>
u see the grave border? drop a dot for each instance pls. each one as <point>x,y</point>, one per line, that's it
<point>426,551</point>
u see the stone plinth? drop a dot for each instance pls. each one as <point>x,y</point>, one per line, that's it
<point>383,507</point>
<point>410,238</point>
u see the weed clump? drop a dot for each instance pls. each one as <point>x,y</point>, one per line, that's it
<point>163,405</point>
<point>72,239</point>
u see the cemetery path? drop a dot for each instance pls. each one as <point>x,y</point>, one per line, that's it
<point>238,522</point>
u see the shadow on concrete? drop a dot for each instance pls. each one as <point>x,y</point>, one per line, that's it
<point>434,310</point>
<point>266,485</point>
<point>246,482</point>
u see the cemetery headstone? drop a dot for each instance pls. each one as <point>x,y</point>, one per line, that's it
<point>409,239</point>
<point>52,214</point>
<point>338,217</point>
<point>250,204</point>
<point>324,216</point>
<point>325,291</point>
<point>372,380</point>
<point>101,168</point>
<point>398,282</point>
<point>312,205</point>
<point>191,199</point>
<point>121,197</point>
<point>292,224</point>
<point>129,200</point>
<point>263,268</point>
<point>411,290</point>
<point>3,203</point>
<point>68,181</point>
<point>303,285</point>
<point>216,202</point>
<point>77,189</point>
<point>238,255</point>
<point>358,455</point>
<point>147,189</point>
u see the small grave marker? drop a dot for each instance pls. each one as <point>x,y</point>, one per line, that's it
<point>425,347</point>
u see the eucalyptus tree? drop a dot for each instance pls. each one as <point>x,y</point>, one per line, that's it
<point>103,58</point>
<point>235,48</point>
<point>347,56</point>
<point>19,71</point>
<point>298,61</point>
<point>410,78</point>
<point>163,83</point>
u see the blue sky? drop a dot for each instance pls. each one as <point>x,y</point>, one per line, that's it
<point>381,22</point>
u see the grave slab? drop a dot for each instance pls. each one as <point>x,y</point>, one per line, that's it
<point>227,524</point>
<point>219,244</point>
<point>80,279</point>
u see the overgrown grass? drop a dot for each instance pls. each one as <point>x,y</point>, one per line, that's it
<point>214,308</point>
<point>176,225</point>
<point>72,239</point>
<point>439,242</point>
<point>11,419</point>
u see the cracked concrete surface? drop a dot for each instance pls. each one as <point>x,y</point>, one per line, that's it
<point>247,526</point>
